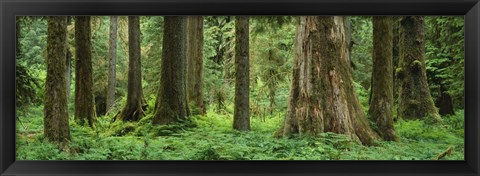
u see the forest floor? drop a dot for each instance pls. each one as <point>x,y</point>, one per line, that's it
<point>211,137</point>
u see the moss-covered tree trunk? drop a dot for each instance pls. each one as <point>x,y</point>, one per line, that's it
<point>112,57</point>
<point>396,55</point>
<point>241,113</point>
<point>56,127</point>
<point>381,104</point>
<point>195,62</point>
<point>136,104</point>
<point>322,96</point>
<point>84,102</point>
<point>415,101</point>
<point>172,99</point>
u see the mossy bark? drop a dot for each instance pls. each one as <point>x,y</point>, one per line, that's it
<point>84,102</point>
<point>322,96</point>
<point>112,57</point>
<point>381,104</point>
<point>134,110</point>
<point>195,62</point>
<point>172,97</point>
<point>241,113</point>
<point>56,127</point>
<point>415,101</point>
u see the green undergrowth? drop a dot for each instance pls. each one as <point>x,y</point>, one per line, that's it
<point>211,137</point>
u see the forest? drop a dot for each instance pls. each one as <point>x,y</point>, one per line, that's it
<point>240,88</point>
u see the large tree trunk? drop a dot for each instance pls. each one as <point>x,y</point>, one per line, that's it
<point>415,101</point>
<point>56,115</point>
<point>112,55</point>
<point>195,62</point>
<point>381,105</point>
<point>322,96</point>
<point>136,104</point>
<point>241,113</point>
<point>396,56</point>
<point>172,99</point>
<point>84,102</point>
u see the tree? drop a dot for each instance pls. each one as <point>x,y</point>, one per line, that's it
<point>56,127</point>
<point>381,104</point>
<point>172,99</point>
<point>322,96</point>
<point>112,54</point>
<point>194,51</point>
<point>84,102</point>
<point>415,101</point>
<point>69,59</point>
<point>136,103</point>
<point>241,113</point>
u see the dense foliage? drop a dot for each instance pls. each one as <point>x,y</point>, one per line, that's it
<point>211,137</point>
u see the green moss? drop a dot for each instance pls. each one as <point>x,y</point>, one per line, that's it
<point>399,73</point>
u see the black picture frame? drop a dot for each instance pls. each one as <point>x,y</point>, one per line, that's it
<point>11,8</point>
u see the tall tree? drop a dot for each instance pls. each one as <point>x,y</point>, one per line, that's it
<point>241,113</point>
<point>195,62</point>
<point>56,115</point>
<point>112,56</point>
<point>415,101</point>
<point>322,96</point>
<point>69,59</point>
<point>172,99</point>
<point>381,104</point>
<point>84,102</point>
<point>136,104</point>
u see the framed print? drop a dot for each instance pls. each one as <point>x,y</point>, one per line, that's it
<point>239,87</point>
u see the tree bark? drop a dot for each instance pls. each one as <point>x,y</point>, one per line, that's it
<point>134,110</point>
<point>112,55</point>
<point>241,113</point>
<point>195,62</point>
<point>172,99</point>
<point>322,96</point>
<point>56,126</point>
<point>381,105</point>
<point>415,101</point>
<point>84,102</point>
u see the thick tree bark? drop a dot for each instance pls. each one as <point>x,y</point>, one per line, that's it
<point>241,113</point>
<point>112,55</point>
<point>84,102</point>
<point>415,101</point>
<point>69,60</point>
<point>195,62</point>
<point>172,99</point>
<point>381,105</point>
<point>136,104</point>
<point>322,96</point>
<point>56,115</point>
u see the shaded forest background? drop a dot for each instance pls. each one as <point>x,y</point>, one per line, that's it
<point>210,132</point>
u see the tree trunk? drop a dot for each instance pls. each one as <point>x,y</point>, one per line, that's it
<point>136,104</point>
<point>444,103</point>
<point>112,54</point>
<point>396,56</point>
<point>381,105</point>
<point>84,102</point>
<point>415,101</point>
<point>195,62</point>
<point>172,99</point>
<point>241,113</point>
<point>56,115</point>
<point>322,96</point>
<point>69,60</point>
